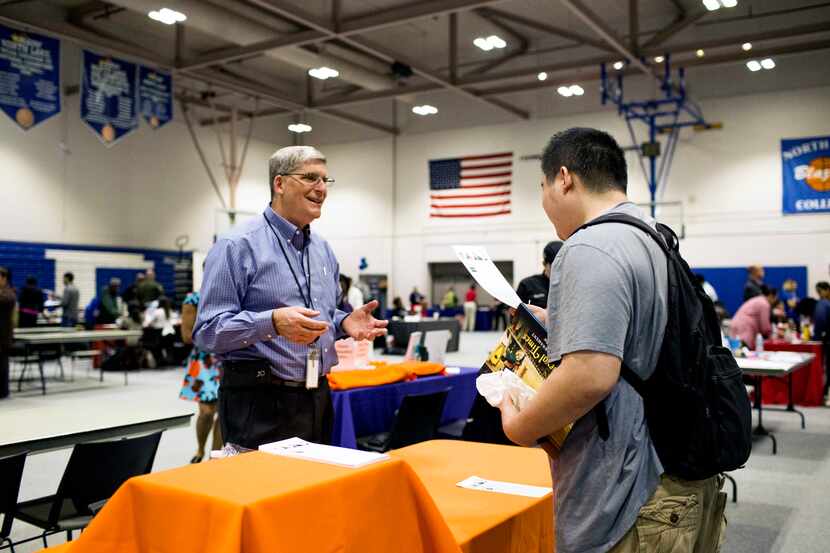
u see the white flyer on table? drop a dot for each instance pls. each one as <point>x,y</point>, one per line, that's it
<point>477,483</point>
<point>484,271</point>
<point>343,456</point>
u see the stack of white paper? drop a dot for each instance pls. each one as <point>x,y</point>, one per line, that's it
<point>301,449</point>
<point>476,483</point>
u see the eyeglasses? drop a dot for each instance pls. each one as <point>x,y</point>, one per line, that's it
<point>310,179</point>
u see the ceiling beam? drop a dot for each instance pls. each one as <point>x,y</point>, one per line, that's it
<point>547,28</point>
<point>634,25</point>
<point>298,16</point>
<point>327,30</point>
<point>606,33</point>
<point>675,27</point>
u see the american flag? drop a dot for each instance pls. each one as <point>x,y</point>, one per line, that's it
<point>471,186</point>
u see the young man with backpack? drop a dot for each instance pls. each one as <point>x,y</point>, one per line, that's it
<point>658,406</point>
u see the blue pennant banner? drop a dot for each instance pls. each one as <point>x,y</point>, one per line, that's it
<point>108,93</point>
<point>30,91</point>
<point>806,172</point>
<point>155,96</point>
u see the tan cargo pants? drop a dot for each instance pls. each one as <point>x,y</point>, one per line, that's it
<point>681,517</point>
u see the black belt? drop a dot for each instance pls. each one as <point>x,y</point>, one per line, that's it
<point>246,374</point>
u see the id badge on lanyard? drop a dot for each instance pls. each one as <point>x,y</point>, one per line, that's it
<point>312,366</point>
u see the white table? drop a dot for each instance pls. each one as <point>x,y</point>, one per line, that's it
<point>773,363</point>
<point>61,337</point>
<point>41,330</point>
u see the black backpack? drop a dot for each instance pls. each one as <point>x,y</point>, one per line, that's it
<point>696,406</point>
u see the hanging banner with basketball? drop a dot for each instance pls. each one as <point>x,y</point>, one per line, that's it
<point>806,164</point>
<point>155,96</point>
<point>30,91</point>
<point>108,92</point>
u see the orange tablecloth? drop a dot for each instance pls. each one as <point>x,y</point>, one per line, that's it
<point>808,382</point>
<point>259,502</point>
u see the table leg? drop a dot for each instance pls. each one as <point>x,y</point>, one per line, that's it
<point>790,404</point>
<point>26,352</point>
<point>760,430</point>
<point>42,376</point>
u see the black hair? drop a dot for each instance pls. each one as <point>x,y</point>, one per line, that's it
<point>6,273</point>
<point>31,280</point>
<point>700,278</point>
<point>69,276</point>
<point>823,285</point>
<point>768,290</point>
<point>166,304</point>
<point>591,154</point>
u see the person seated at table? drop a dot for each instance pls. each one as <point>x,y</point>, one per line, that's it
<point>398,310</point>
<point>754,317</point>
<point>158,330</point>
<point>110,305</point>
<point>133,353</point>
<point>30,303</point>
<point>450,299</point>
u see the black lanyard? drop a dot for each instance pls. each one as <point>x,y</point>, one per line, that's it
<point>304,254</point>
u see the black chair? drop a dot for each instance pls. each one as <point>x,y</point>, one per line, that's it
<point>416,421</point>
<point>484,424</point>
<point>11,473</point>
<point>94,472</point>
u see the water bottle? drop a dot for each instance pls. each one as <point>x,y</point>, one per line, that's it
<point>759,343</point>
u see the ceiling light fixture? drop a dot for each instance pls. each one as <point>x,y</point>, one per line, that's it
<point>542,76</point>
<point>700,53</point>
<point>619,65</point>
<point>746,46</point>
<point>753,65</point>
<point>728,3</point>
<point>659,59</point>
<point>767,63</point>
<point>167,16</point>
<point>713,5</point>
<point>564,91</point>
<point>299,128</point>
<point>490,42</point>
<point>425,109</point>
<point>577,90</point>
<point>323,73</point>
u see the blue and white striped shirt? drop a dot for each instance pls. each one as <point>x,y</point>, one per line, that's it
<point>246,277</point>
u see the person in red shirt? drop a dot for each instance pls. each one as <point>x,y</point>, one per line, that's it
<point>470,308</point>
<point>753,317</point>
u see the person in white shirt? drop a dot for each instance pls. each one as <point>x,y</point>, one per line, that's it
<point>355,295</point>
<point>158,329</point>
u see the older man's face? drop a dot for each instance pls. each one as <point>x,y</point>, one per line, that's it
<point>303,192</point>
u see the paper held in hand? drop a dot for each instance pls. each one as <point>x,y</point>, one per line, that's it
<point>301,449</point>
<point>476,483</point>
<point>484,271</point>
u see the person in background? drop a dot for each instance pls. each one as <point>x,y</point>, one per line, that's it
<point>470,308</point>
<point>754,317</point>
<point>134,320</point>
<point>8,299</point>
<point>343,303</point>
<point>533,290</point>
<point>708,289</point>
<point>450,299</point>
<point>789,291</point>
<point>821,330</point>
<point>30,303</point>
<point>355,294</point>
<point>268,308</point>
<point>110,305</point>
<point>607,306</point>
<point>398,310</point>
<point>149,290</point>
<point>131,293</point>
<point>415,298</point>
<point>500,316</point>
<point>754,282</point>
<point>201,382</point>
<point>69,301</point>
<point>158,328</point>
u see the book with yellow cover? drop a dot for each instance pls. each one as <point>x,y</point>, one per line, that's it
<point>523,349</point>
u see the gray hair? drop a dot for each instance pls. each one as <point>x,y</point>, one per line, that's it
<point>289,159</point>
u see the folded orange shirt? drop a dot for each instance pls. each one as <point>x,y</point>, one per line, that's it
<point>420,368</point>
<point>345,380</point>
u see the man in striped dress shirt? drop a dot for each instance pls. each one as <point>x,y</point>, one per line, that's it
<point>269,310</point>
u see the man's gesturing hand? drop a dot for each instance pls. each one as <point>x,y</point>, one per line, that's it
<point>361,325</point>
<point>296,324</point>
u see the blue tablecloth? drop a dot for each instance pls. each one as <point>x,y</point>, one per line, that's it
<point>364,411</point>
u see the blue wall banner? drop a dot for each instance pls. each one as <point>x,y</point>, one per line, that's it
<point>806,165</point>
<point>108,92</point>
<point>30,91</point>
<point>155,96</point>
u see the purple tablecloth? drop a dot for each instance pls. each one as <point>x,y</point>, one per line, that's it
<point>364,411</point>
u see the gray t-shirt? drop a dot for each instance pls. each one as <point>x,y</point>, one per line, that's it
<point>69,301</point>
<point>608,291</point>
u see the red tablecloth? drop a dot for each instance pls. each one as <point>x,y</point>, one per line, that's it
<point>808,382</point>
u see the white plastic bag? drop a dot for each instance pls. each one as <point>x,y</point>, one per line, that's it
<point>493,386</point>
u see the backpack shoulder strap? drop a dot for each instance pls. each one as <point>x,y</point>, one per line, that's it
<point>663,235</point>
